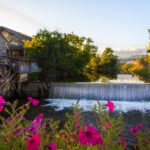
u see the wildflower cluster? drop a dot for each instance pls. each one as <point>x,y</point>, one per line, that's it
<point>16,132</point>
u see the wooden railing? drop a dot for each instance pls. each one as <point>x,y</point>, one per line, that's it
<point>19,65</point>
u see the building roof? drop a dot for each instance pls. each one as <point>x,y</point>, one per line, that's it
<point>19,35</point>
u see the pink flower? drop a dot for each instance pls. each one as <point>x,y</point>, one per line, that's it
<point>52,146</point>
<point>38,119</point>
<point>39,116</point>
<point>135,129</point>
<point>36,123</point>
<point>90,136</point>
<point>110,105</point>
<point>107,125</point>
<point>34,101</point>
<point>33,129</point>
<point>8,118</point>
<point>123,142</point>
<point>33,143</point>
<point>77,124</point>
<point>2,103</point>
<point>77,120</point>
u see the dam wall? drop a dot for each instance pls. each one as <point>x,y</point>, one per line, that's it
<point>103,91</point>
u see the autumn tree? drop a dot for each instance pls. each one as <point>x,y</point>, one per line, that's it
<point>139,68</point>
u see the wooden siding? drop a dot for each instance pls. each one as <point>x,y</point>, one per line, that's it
<point>3,46</point>
<point>12,51</point>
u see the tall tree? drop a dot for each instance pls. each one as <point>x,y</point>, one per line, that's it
<point>108,66</point>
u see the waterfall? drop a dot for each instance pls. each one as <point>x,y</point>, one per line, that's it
<point>103,91</point>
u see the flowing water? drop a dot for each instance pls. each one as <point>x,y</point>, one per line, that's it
<point>87,105</point>
<point>105,91</point>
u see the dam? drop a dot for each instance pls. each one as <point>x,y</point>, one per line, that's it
<point>102,91</point>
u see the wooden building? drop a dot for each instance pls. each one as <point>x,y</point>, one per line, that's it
<point>13,64</point>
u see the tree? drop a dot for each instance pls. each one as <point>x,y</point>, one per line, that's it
<point>102,67</point>
<point>60,56</point>
<point>139,68</point>
<point>44,49</point>
<point>108,64</point>
<point>125,67</point>
<point>148,52</point>
<point>90,70</point>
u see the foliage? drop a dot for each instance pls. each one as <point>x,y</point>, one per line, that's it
<point>108,66</point>
<point>125,67</point>
<point>16,132</point>
<point>143,137</point>
<point>148,52</point>
<point>60,56</point>
<point>104,67</point>
<point>90,70</point>
<point>69,57</point>
<point>139,68</point>
<point>143,72</point>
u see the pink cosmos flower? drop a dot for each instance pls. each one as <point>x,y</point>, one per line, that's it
<point>34,101</point>
<point>52,146</point>
<point>90,136</point>
<point>33,143</point>
<point>110,106</point>
<point>2,103</point>
<point>135,129</point>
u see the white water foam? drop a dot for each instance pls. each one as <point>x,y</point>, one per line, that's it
<point>87,105</point>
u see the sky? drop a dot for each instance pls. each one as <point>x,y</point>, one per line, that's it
<point>119,24</point>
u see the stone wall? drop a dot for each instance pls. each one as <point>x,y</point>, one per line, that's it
<point>34,89</point>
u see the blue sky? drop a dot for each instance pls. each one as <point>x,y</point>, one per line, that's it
<point>119,24</point>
